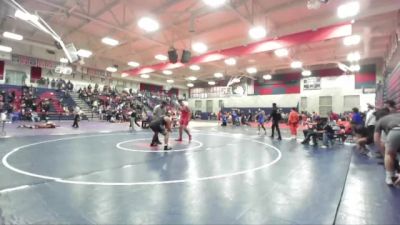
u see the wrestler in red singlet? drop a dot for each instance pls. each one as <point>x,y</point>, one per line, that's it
<point>184,121</point>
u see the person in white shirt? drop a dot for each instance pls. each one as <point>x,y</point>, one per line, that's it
<point>370,122</point>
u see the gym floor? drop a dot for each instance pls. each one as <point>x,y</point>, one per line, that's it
<point>226,175</point>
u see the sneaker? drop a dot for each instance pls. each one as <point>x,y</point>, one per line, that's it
<point>389,180</point>
<point>153,144</point>
<point>279,139</point>
<point>166,148</point>
<point>304,143</point>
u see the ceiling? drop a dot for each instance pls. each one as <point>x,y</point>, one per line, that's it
<point>182,22</point>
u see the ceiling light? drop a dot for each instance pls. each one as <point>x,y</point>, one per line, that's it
<point>84,53</point>
<point>192,78</point>
<point>211,82</point>
<point>5,48</point>
<point>111,69</point>
<point>352,40</point>
<point>110,41</point>
<point>148,24</point>
<point>230,61</point>
<point>214,3</point>
<point>167,72</point>
<point>349,9</point>
<point>283,52</point>
<point>170,81</point>
<point>257,32</point>
<point>64,60</point>
<point>199,47</point>
<point>218,75</point>
<point>355,68</point>
<point>296,64</point>
<point>161,57</point>
<point>267,77</point>
<point>306,73</point>
<point>354,57</point>
<point>190,85</point>
<point>145,76</point>
<point>251,70</point>
<point>14,36</point>
<point>25,16</point>
<point>133,64</point>
<point>236,80</point>
<point>194,67</point>
<point>124,74</point>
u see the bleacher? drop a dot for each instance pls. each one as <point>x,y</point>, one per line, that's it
<point>56,98</point>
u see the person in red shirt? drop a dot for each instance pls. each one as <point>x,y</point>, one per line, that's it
<point>293,122</point>
<point>184,121</point>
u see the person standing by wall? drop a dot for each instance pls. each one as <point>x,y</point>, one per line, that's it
<point>293,122</point>
<point>77,112</point>
<point>276,117</point>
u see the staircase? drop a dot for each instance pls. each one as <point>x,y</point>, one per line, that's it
<point>84,107</point>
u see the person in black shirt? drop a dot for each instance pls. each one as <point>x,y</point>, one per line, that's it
<point>276,117</point>
<point>161,125</point>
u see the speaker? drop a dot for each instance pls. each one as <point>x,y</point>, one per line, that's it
<point>173,55</point>
<point>186,55</point>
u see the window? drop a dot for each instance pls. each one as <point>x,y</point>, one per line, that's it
<point>325,105</point>
<point>303,104</point>
<point>209,107</point>
<point>197,104</point>
<point>221,104</point>
<point>351,101</point>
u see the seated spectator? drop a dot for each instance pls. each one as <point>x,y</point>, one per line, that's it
<point>314,130</point>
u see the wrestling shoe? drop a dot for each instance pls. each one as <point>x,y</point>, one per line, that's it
<point>179,139</point>
<point>166,148</point>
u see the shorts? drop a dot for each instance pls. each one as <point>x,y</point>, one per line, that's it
<point>184,122</point>
<point>261,122</point>
<point>158,129</point>
<point>392,143</point>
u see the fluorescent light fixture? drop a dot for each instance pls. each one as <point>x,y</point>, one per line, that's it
<point>251,70</point>
<point>355,68</point>
<point>236,80</point>
<point>296,64</point>
<point>170,81</point>
<point>257,32</point>
<point>218,75</point>
<point>283,52</point>
<point>13,36</point>
<point>214,3</point>
<point>64,60</point>
<point>190,85</point>
<point>306,73</point>
<point>111,69</point>
<point>352,40</point>
<point>192,78</point>
<point>354,57</point>
<point>267,77</point>
<point>25,16</point>
<point>194,67</point>
<point>124,74</point>
<point>348,9</point>
<point>161,57</point>
<point>167,72</point>
<point>5,48</point>
<point>199,47</point>
<point>133,64</point>
<point>148,24</point>
<point>84,53</point>
<point>110,41</point>
<point>230,61</point>
<point>145,76</point>
<point>211,82</point>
